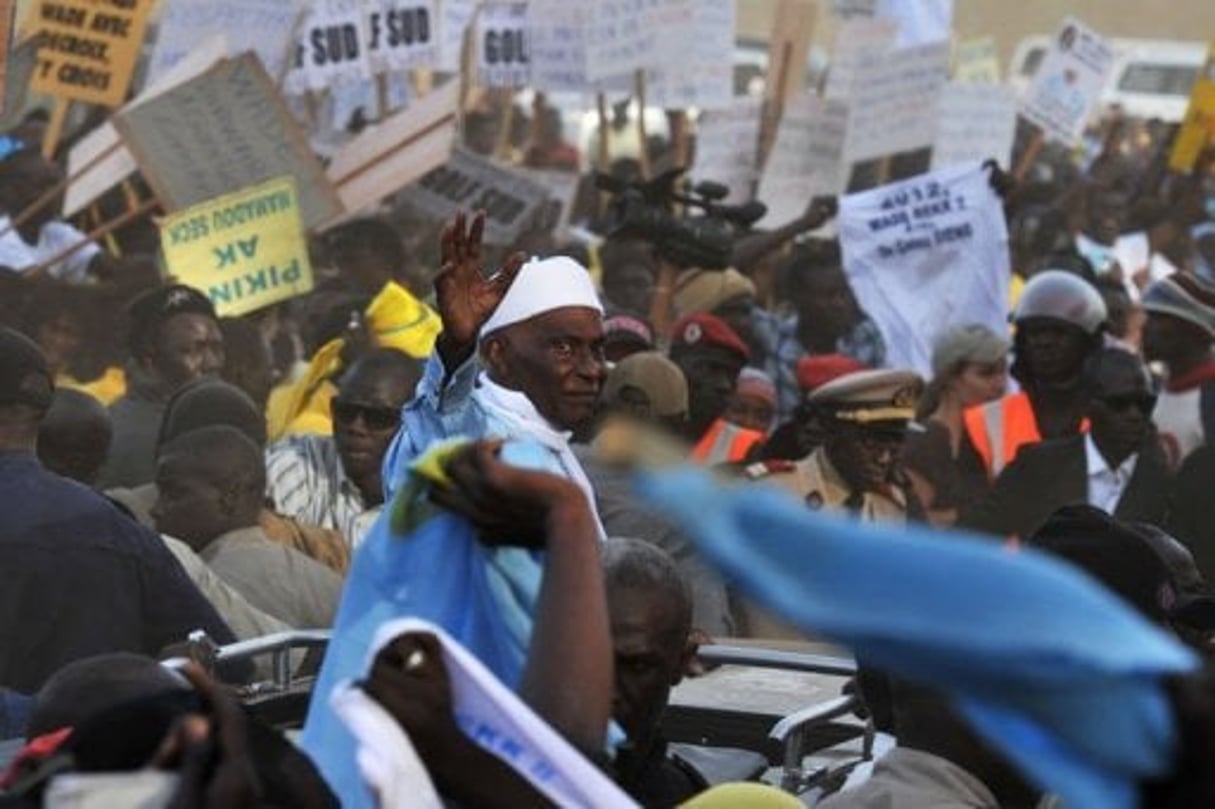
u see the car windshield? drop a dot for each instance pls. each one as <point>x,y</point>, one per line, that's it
<point>1143,77</point>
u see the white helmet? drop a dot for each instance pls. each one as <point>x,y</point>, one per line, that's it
<point>1060,295</point>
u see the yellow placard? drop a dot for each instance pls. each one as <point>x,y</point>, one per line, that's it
<point>87,48</point>
<point>975,61</point>
<point>244,250</point>
<point>1198,129</point>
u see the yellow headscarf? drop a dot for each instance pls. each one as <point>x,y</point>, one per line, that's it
<point>395,319</point>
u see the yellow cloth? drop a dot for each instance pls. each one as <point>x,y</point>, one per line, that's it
<point>395,319</point>
<point>409,509</point>
<point>107,388</point>
<point>728,796</point>
<point>1015,287</point>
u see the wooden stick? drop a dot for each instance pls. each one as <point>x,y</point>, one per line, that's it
<point>774,109</point>
<point>54,128</point>
<point>423,81</point>
<point>98,233</point>
<point>644,157</point>
<point>603,157</point>
<point>58,188</point>
<point>381,95</point>
<point>502,147</point>
<point>1029,155</point>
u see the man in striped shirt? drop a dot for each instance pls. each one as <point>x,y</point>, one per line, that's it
<point>334,481</point>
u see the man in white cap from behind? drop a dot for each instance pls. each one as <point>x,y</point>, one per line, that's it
<point>520,356</point>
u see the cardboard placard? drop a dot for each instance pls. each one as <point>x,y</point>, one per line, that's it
<point>501,45</point>
<point>1198,128</point>
<point>630,35</point>
<point>87,50</point>
<point>858,41</point>
<point>975,122</point>
<point>926,254</point>
<point>455,17</point>
<point>1069,82</point>
<point>726,144</point>
<point>244,251</point>
<point>975,61</point>
<point>703,79</point>
<point>404,34</point>
<point>99,160</point>
<point>332,46</point>
<point>894,102</point>
<point>558,44</point>
<point>265,27</point>
<point>220,132</point>
<point>806,159</point>
<point>386,157</point>
<point>468,182</point>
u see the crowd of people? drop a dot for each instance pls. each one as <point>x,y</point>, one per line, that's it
<point>436,431</point>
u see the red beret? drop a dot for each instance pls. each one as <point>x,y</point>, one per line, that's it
<point>816,371</point>
<point>704,329</point>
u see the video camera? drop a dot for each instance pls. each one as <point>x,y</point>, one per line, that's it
<point>647,211</point>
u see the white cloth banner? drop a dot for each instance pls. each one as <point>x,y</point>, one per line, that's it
<point>975,122</point>
<point>926,254</point>
<point>726,144</point>
<point>1069,82</point>
<point>497,720</point>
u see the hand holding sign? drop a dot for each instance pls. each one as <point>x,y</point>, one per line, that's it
<point>466,298</point>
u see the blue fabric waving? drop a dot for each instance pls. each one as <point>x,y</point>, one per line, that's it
<point>482,597</point>
<point>1057,672</point>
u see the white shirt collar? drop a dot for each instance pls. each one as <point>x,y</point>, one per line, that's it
<point>518,408</point>
<point>1097,465</point>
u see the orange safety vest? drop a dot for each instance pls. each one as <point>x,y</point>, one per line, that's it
<point>999,429</point>
<point>725,443</point>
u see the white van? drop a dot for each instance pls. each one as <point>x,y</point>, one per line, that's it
<point>1151,78</point>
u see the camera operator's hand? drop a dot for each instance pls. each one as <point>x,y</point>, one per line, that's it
<point>466,298</point>
<point>820,211</point>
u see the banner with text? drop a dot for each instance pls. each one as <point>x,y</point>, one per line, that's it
<point>219,132</point>
<point>501,39</point>
<point>87,50</point>
<point>893,106</point>
<point>927,254</point>
<point>805,160</point>
<point>1069,82</point>
<point>975,122</point>
<point>1198,128</point>
<point>245,250</point>
<point>468,182</point>
<point>975,60</point>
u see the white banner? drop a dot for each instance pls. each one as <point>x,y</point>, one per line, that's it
<point>975,122</point>
<point>332,46</point>
<point>726,145</point>
<point>501,41</point>
<point>404,34</point>
<point>262,26</point>
<point>893,106</point>
<point>926,254</point>
<point>1069,82</point>
<point>806,158</point>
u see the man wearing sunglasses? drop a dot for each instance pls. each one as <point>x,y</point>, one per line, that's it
<point>1119,466</point>
<point>335,482</point>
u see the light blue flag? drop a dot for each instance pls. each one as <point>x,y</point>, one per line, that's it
<point>1053,669</point>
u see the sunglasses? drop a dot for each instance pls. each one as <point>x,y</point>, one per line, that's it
<point>374,417</point>
<point>1143,402</point>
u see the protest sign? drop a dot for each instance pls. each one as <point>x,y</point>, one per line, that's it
<point>805,160</point>
<point>392,154</point>
<point>457,15</point>
<point>404,34</point>
<point>703,79</point>
<point>1198,128</point>
<point>501,43</point>
<point>99,160</point>
<point>87,50</point>
<point>629,35</point>
<point>975,122</point>
<point>265,27</point>
<point>332,46</point>
<point>245,250</point>
<point>975,61</point>
<point>562,188</point>
<point>468,182</point>
<point>219,132</point>
<point>859,41</point>
<point>925,254</point>
<point>893,106</point>
<point>1068,82</point>
<point>558,37</point>
<point>726,144</point>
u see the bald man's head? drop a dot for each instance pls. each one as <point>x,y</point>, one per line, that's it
<point>209,481</point>
<point>74,436</point>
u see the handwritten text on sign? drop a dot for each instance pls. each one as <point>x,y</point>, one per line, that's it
<point>503,58</point>
<point>470,183</point>
<point>245,250</point>
<point>87,50</point>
